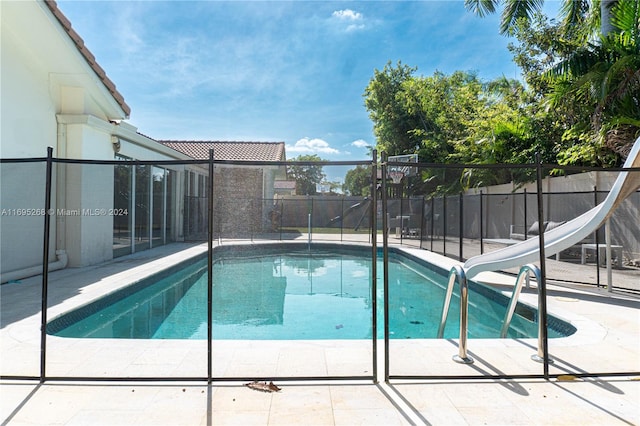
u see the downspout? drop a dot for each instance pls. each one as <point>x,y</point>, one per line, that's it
<point>60,199</point>
<point>19,274</point>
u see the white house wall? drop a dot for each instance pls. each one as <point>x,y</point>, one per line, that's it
<point>51,97</point>
<point>22,221</point>
<point>89,196</point>
<point>28,128</point>
<point>28,113</point>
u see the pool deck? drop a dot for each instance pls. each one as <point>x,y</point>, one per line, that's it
<point>607,341</point>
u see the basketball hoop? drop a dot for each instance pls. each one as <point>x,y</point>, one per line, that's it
<point>396,176</point>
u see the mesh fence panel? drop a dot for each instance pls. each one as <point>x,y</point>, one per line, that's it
<point>130,213</point>
<point>21,255</point>
<point>107,211</point>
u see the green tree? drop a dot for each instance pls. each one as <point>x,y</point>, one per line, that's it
<point>585,69</point>
<point>392,123</point>
<point>586,93</point>
<point>307,175</point>
<point>334,186</point>
<point>556,129</point>
<point>454,118</point>
<point>446,107</point>
<point>424,115</point>
<point>357,181</point>
<point>500,132</point>
<point>605,77</point>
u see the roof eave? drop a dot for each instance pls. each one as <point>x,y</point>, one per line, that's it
<point>110,87</point>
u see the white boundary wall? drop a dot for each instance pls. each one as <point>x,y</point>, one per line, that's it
<point>625,223</point>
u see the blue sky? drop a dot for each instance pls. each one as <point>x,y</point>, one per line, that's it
<point>291,71</point>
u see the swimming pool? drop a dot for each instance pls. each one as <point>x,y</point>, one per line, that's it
<point>290,293</point>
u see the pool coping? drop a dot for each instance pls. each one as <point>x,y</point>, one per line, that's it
<point>63,320</point>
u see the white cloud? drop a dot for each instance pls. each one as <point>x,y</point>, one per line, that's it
<point>311,146</point>
<point>354,20</point>
<point>347,14</point>
<point>361,143</point>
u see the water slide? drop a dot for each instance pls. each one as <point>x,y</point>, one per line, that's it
<point>364,203</point>
<point>566,235</point>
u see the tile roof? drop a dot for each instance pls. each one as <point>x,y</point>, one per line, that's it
<point>88,56</point>
<point>234,151</point>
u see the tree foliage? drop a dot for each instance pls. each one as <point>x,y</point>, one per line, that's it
<point>589,92</point>
<point>392,123</point>
<point>578,17</point>
<point>579,104</point>
<point>606,76</point>
<point>307,176</point>
<point>585,73</point>
<point>357,181</point>
<point>448,119</point>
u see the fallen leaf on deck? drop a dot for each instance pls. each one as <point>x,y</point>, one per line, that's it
<point>263,386</point>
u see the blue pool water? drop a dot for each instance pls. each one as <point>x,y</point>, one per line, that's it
<point>325,294</point>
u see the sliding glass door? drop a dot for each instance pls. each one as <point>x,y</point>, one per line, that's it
<point>122,231</point>
<point>146,194</point>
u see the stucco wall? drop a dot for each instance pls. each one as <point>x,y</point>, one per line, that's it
<point>28,112</point>
<point>51,97</point>
<point>88,195</point>
<point>565,198</point>
<point>28,127</point>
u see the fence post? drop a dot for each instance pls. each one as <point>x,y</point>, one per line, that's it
<point>281,211</point>
<point>374,261</point>
<point>210,271</point>
<point>597,240</point>
<point>461,228</point>
<point>526,228</point>
<point>422,221</point>
<point>481,226</point>
<point>401,218</point>
<point>542,285</point>
<point>310,215</point>
<point>342,216</point>
<point>433,216</point>
<point>385,271</point>
<point>444,225</point>
<point>45,265</point>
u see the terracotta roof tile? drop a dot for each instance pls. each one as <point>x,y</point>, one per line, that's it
<point>91,60</point>
<point>234,151</point>
<point>101,72</point>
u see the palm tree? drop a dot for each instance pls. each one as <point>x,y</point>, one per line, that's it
<point>582,14</point>
<point>606,25</point>
<point>605,73</point>
<point>607,76</point>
